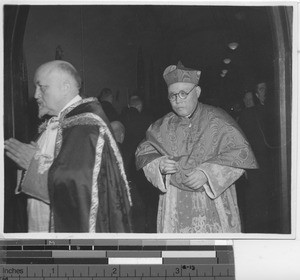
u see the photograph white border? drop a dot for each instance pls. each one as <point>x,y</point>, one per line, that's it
<point>241,236</point>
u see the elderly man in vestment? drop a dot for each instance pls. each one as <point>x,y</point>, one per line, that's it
<point>73,175</point>
<point>193,156</point>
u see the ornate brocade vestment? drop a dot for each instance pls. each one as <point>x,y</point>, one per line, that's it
<point>210,141</point>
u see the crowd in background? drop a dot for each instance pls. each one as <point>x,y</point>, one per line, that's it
<point>129,128</point>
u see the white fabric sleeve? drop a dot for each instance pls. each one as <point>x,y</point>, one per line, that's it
<point>154,176</point>
<point>219,177</point>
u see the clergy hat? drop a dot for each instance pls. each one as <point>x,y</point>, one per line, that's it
<point>176,74</point>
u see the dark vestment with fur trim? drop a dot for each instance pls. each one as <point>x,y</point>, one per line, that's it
<point>87,185</point>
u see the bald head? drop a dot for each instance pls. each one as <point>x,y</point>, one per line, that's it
<point>64,68</point>
<point>57,82</point>
<point>106,95</point>
<point>118,130</point>
<point>136,102</point>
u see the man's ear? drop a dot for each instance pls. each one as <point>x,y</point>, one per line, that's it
<point>67,86</point>
<point>198,90</point>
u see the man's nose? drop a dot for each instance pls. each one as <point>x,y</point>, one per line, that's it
<point>177,99</point>
<point>37,93</point>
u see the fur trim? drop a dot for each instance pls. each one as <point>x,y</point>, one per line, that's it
<point>95,120</point>
<point>96,170</point>
<point>74,105</point>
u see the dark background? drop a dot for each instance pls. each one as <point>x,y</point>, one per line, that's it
<point>127,48</point>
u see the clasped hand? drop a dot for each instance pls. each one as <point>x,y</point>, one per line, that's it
<point>19,152</point>
<point>168,166</point>
<point>194,179</point>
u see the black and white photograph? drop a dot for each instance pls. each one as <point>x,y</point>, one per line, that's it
<point>149,119</point>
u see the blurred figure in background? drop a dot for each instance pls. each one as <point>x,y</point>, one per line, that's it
<point>106,99</point>
<point>257,196</point>
<point>119,131</point>
<point>261,92</point>
<point>248,99</point>
<point>144,196</point>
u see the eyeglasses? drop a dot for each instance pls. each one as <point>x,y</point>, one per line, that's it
<point>181,94</point>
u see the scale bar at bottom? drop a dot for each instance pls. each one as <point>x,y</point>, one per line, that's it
<point>135,261</point>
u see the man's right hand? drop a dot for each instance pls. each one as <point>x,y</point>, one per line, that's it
<point>19,152</point>
<point>168,166</point>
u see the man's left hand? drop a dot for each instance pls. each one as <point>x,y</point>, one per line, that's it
<point>195,180</point>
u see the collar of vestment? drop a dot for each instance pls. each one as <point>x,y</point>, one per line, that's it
<point>193,113</point>
<point>188,119</point>
<point>76,104</point>
<point>76,99</point>
<point>47,140</point>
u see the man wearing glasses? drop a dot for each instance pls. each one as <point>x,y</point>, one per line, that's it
<point>193,156</point>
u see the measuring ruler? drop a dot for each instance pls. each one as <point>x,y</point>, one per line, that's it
<point>116,260</point>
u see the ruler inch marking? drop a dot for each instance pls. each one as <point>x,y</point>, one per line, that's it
<point>33,263</point>
<point>189,270</point>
